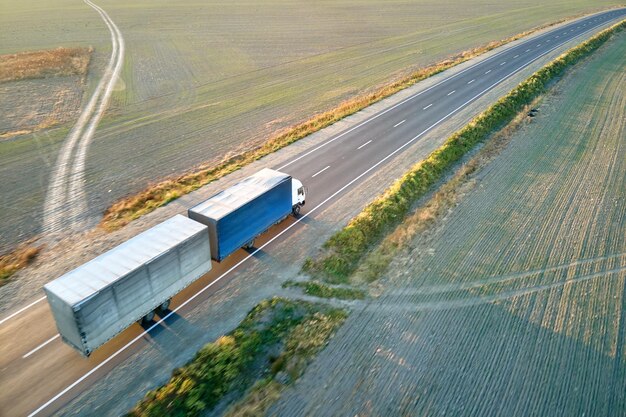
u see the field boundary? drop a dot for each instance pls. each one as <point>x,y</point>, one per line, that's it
<point>47,63</point>
<point>343,251</point>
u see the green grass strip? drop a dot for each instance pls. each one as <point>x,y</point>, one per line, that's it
<point>233,362</point>
<point>342,253</point>
<point>318,289</point>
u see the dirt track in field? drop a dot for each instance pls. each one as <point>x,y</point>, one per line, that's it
<point>516,304</point>
<point>66,200</point>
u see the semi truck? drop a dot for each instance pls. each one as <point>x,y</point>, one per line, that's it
<point>238,215</point>
<point>137,279</point>
<point>129,283</point>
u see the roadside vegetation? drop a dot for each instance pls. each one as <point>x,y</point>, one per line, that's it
<point>343,252</point>
<point>516,299</point>
<point>41,64</point>
<point>20,258</point>
<point>161,193</point>
<point>248,368</point>
<point>376,261</point>
<point>322,290</point>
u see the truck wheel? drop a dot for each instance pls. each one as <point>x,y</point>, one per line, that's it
<point>147,319</point>
<point>296,210</point>
<point>249,245</point>
<point>164,306</point>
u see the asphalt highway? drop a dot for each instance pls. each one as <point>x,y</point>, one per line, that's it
<point>39,374</point>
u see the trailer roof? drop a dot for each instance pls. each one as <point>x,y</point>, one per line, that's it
<point>232,198</point>
<point>99,273</point>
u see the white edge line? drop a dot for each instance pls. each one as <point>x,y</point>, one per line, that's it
<point>398,124</point>
<point>319,172</point>
<point>22,309</point>
<point>380,114</point>
<point>365,144</point>
<point>41,345</point>
<point>300,219</point>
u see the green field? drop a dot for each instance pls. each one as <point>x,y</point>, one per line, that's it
<point>201,79</point>
<point>515,303</point>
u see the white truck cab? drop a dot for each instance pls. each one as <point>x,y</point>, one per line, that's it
<point>298,195</point>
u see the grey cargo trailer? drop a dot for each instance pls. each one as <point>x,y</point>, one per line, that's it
<point>104,296</point>
<point>237,215</point>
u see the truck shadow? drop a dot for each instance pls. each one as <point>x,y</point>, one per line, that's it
<point>170,332</point>
<point>260,253</point>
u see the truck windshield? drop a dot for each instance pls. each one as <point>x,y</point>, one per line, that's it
<point>301,191</point>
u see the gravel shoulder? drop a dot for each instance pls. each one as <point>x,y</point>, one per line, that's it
<point>516,303</point>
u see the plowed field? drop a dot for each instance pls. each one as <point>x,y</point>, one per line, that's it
<point>516,304</point>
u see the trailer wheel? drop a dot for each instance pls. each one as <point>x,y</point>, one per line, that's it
<point>296,210</point>
<point>249,245</point>
<point>164,306</point>
<point>147,319</point>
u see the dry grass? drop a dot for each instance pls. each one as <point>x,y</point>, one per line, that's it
<point>49,121</point>
<point>159,194</point>
<point>41,64</point>
<point>20,258</point>
<point>446,197</point>
<point>345,249</point>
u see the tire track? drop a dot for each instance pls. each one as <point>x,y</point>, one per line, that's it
<point>448,287</point>
<point>66,203</point>
<point>515,306</point>
<point>412,305</point>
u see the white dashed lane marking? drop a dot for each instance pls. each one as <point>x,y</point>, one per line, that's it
<point>40,346</point>
<point>319,172</point>
<point>362,146</point>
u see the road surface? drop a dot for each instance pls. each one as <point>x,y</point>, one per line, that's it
<point>40,375</point>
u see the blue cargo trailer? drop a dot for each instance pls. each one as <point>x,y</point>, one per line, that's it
<point>237,215</point>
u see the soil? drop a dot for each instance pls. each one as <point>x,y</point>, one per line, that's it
<point>515,303</point>
<point>28,106</point>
